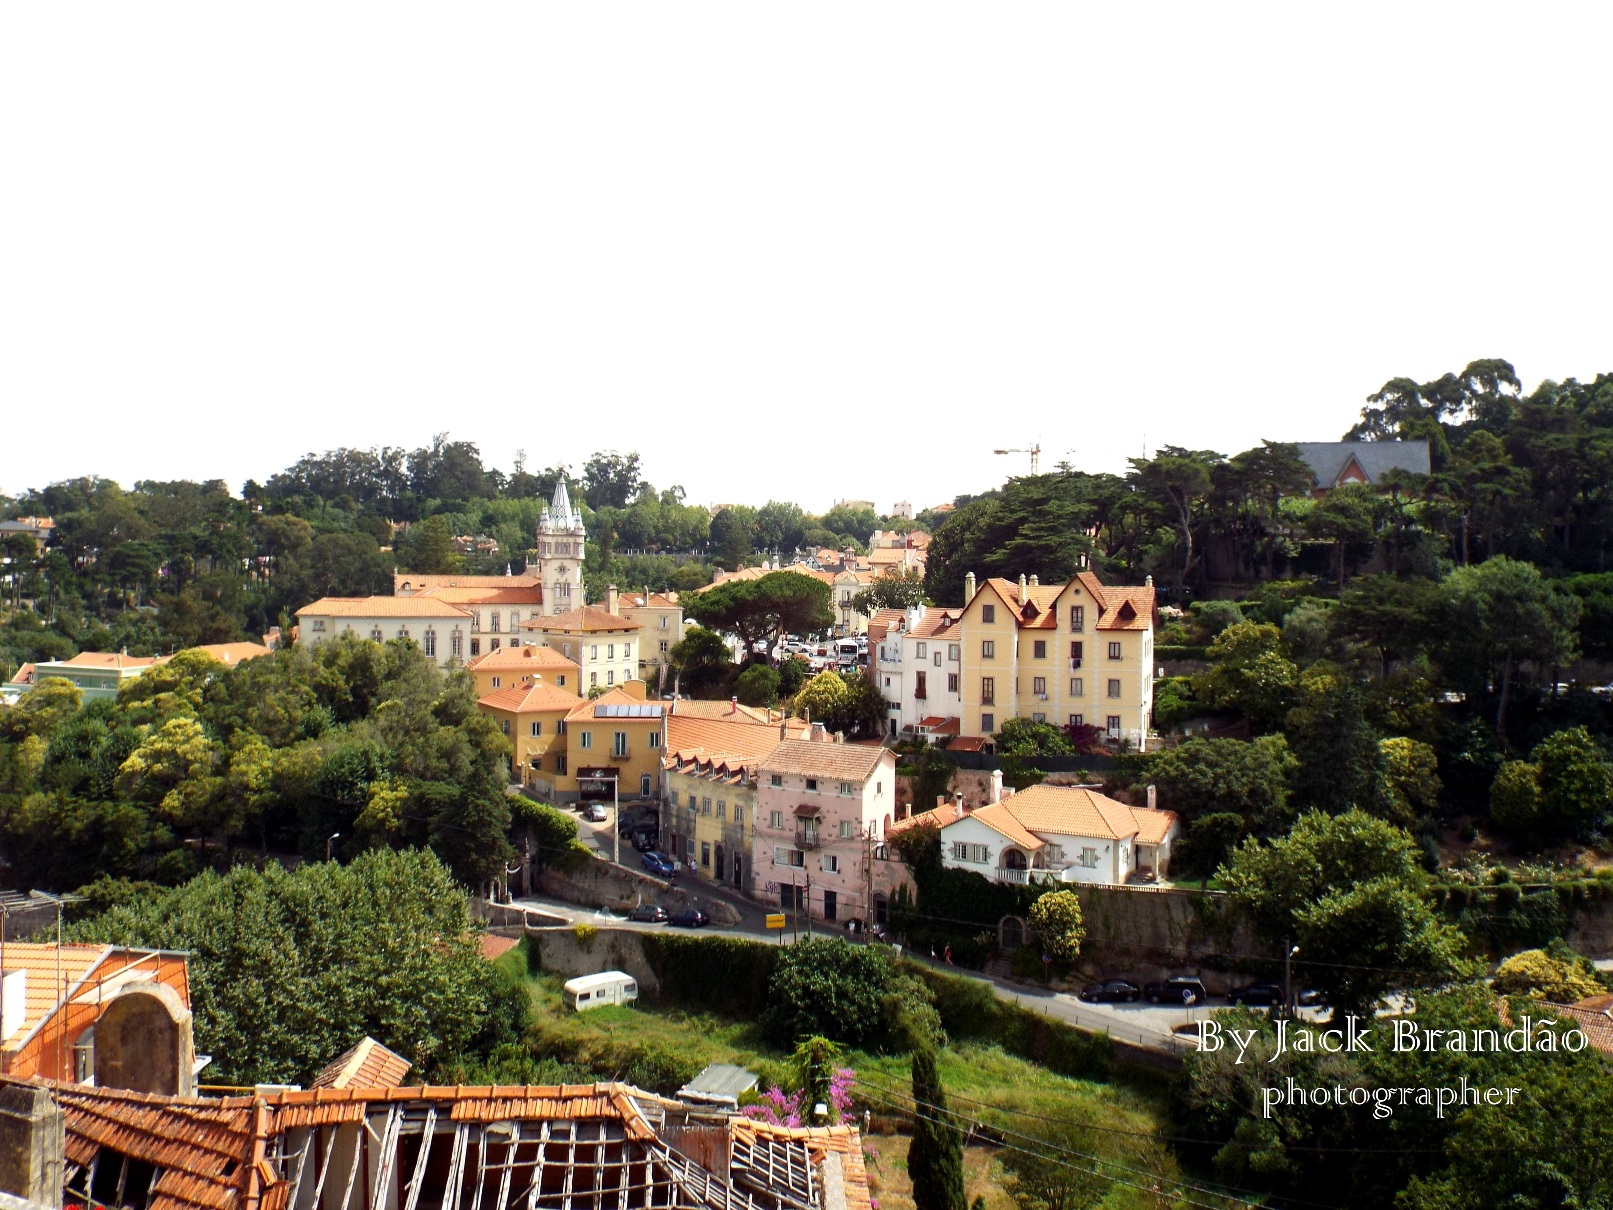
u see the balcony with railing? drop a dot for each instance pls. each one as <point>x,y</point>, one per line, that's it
<point>807,835</point>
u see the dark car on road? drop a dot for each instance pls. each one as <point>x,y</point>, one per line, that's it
<point>659,863</point>
<point>1257,995</point>
<point>690,918</point>
<point>1178,989</point>
<point>1111,991</point>
<point>648,913</point>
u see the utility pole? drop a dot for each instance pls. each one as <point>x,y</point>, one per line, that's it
<point>1288,979</point>
<point>868,880</point>
<point>809,906</point>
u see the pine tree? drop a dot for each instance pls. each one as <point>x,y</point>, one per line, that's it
<point>935,1160</point>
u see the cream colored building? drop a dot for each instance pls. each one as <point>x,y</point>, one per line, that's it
<point>660,620</point>
<point>532,716</point>
<point>709,789</point>
<point>441,628</point>
<point>1076,652</point>
<point>495,614</point>
<point>604,645</point>
<point>522,666</point>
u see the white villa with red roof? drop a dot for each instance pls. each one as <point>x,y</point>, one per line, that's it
<point>1058,834</point>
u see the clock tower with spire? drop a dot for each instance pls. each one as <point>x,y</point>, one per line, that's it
<point>560,549</point>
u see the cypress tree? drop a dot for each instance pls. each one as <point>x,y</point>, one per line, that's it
<point>935,1160</point>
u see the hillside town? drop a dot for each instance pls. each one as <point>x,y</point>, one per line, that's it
<point>825,780</point>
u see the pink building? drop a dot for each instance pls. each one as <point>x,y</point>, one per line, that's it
<point>821,809</point>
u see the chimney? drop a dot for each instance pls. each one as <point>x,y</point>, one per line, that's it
<point>784,730</point>
<point>819,734</point>
<point>31,1161</point>
<point>612,598</point>
<point>806,717</point>
<point>968,587</point>
<point>840,737</point>
<point>957,805</point>
<point>996,785</point>
<point>1036,581</point>
<point>1021,586</point>
<point>1149,581</point>
<point>733,705</point>
<point>941,800</point>
<point>1153,797</point>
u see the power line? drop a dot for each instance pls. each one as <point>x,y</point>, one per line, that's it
<point>1094,1172</point>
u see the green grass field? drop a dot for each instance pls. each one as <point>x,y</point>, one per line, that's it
<point>660,1048</point>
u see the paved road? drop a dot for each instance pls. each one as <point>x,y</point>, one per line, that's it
<point>1143,1024</point>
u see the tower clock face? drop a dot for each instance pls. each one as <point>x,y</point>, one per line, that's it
<point>562,569</point>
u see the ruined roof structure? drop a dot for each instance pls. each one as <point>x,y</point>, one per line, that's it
<point>572,1147</point>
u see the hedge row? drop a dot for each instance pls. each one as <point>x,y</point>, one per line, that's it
<point>724,975</point>
<point>970,1008</point>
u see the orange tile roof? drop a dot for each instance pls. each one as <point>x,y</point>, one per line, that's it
<point>522,594</point>
<point>935,624</point>
<point>658,600</point>
<point>532,697</point>
<point>528,657</point>
<point>367,1065</point>
<point>91,974</point>
<point>205,1151</point>
<point>690,707</point>
<point>967,743</point>
<point>588,619</point>
<point>419,583</point>
<point>935,817</point>
<point>25,675</point>
<point>1152,826</point>
<point>999,819</point>
<point>733,738</point>
<point>1072,811</point>
<point>587,709</point>
<point>816,758</point>
<point>110,659</point>
<point>232,653</point>
<point>382,607</point>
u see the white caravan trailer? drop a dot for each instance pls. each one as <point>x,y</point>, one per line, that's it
<point>596,991</point>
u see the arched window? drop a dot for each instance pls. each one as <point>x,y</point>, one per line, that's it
<point>456,645</point>
<point>430,643</point>
<point>375,633</point>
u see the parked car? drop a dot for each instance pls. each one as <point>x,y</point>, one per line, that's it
<point>1111,991</point>
<point>594,812</point>
<point>1178,989</point>
<point>690,918</point>
<point>659,863</point>
<point>1257,995</point>
<point>648,913</point>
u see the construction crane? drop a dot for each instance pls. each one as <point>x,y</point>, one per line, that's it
<point>1035,451</point>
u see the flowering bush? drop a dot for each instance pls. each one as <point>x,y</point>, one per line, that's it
<point>780,1108</point>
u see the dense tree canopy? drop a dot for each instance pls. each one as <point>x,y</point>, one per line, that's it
<point>367,739</point>
<point>288,969</point>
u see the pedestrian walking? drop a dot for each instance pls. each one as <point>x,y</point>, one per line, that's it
<point>948,955</point>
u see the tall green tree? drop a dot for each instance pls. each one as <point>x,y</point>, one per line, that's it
<point>1499,614</point>
<point>935,1156</point>
<point>764,609</point>
<point>1344,888</point>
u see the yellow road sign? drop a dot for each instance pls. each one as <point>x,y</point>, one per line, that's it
<point>775,920</point>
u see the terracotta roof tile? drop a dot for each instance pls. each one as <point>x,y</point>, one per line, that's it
<point>731,739</point>
<point>419,583</point>
<point>688,707</point>
<point>523,594</point>
<point>999,819</point>
<point>382,607</point>
<point>587,620</point>
<point>529,698</point>
<point>835,762</point>
<point>528,657</point>
<point>588,709</point>
<point>367,1065</point>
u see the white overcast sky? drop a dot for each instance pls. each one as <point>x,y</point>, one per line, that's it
<point>799,251</point>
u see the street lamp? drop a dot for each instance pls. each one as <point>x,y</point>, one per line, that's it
<point>334,836</point>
